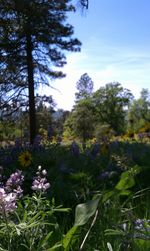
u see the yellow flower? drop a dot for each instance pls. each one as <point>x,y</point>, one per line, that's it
<point>25,159</point>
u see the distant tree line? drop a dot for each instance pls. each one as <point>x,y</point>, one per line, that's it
<point>33,38</point>
<point>109,111</point>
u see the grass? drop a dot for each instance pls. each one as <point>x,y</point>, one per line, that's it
<point>119,175</point>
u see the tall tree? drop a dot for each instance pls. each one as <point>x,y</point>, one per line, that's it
<point>110,104</point>
<point>80,122</point>
<point>139,111</point>
<point>33,36</point>
<point>84,87</point>
<point>59,119</point>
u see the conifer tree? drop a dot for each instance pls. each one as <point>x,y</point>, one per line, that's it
<point>33,36</point>
<point>84,87</point>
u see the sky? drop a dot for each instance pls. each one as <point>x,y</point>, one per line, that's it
<point>115,36</point>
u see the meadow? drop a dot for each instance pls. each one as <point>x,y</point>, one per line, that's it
<point>64,197</point>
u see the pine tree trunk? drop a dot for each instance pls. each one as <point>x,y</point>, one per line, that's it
<point>30,69</point>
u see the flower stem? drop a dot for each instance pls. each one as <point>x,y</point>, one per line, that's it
<point>8,229</point>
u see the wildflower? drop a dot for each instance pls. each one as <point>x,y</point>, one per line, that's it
<point>75,149</point>
<point>142,229</point>
<point>37,141</point>
<point>44,172</point>
<point>104,175</point>
<point>142,224</point>
<point>25,159</point>
<point>95,149</point>
<point>14,183</point>
<point>40,183</point>
<point>18,142</point>
<point>39,168</point>
<point>7,201</point>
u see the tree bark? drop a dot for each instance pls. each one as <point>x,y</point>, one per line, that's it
<point>30,69</point>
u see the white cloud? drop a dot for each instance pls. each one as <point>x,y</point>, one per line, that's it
<point>104,63</point>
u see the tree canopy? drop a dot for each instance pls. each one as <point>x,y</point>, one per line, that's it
<point>110,103</point>
<point>33,36</point>
<point>84,87</point>
<point>139,111</point>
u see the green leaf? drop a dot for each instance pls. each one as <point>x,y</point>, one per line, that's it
<point>141,245</point>
<point>125,192</point>
<point>84,211</point>
<point>114,232</point>
<point>126,181</point>
<point>18,231</point>
<point>56,247</point>
<point>2,249</point>
<point>68,237</point>
<point>63,210</point>
<point>44,240</point>
<point>107,195</point>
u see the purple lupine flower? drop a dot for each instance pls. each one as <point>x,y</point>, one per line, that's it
<point>142,224</point>
<point>104,175</point>
<point>7,201</point>
<point>18,142</point>
<point>15,179</point>
<point>14,183</point>
<point>37,141</point>
<point>75,149</point>
<point>142,229</point>
<point>95,150</point>
<point>18,191</point>
<point>40,183</point>
<point>50,132</point>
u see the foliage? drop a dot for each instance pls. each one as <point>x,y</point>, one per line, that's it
<point>110,103</point>
<point>33,36</point>
<point>84,87</point>
<point>139,112</point>
<point>82,120</point>
<point>108,194</point>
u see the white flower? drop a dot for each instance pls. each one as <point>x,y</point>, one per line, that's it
<point>44,172</point>
<point>39,168</point>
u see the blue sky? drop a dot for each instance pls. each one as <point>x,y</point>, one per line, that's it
<point>115,36</point>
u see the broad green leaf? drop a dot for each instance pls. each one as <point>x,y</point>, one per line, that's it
<point>84,211</point>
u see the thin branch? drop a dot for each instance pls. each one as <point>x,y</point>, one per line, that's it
<point>86,236</point>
